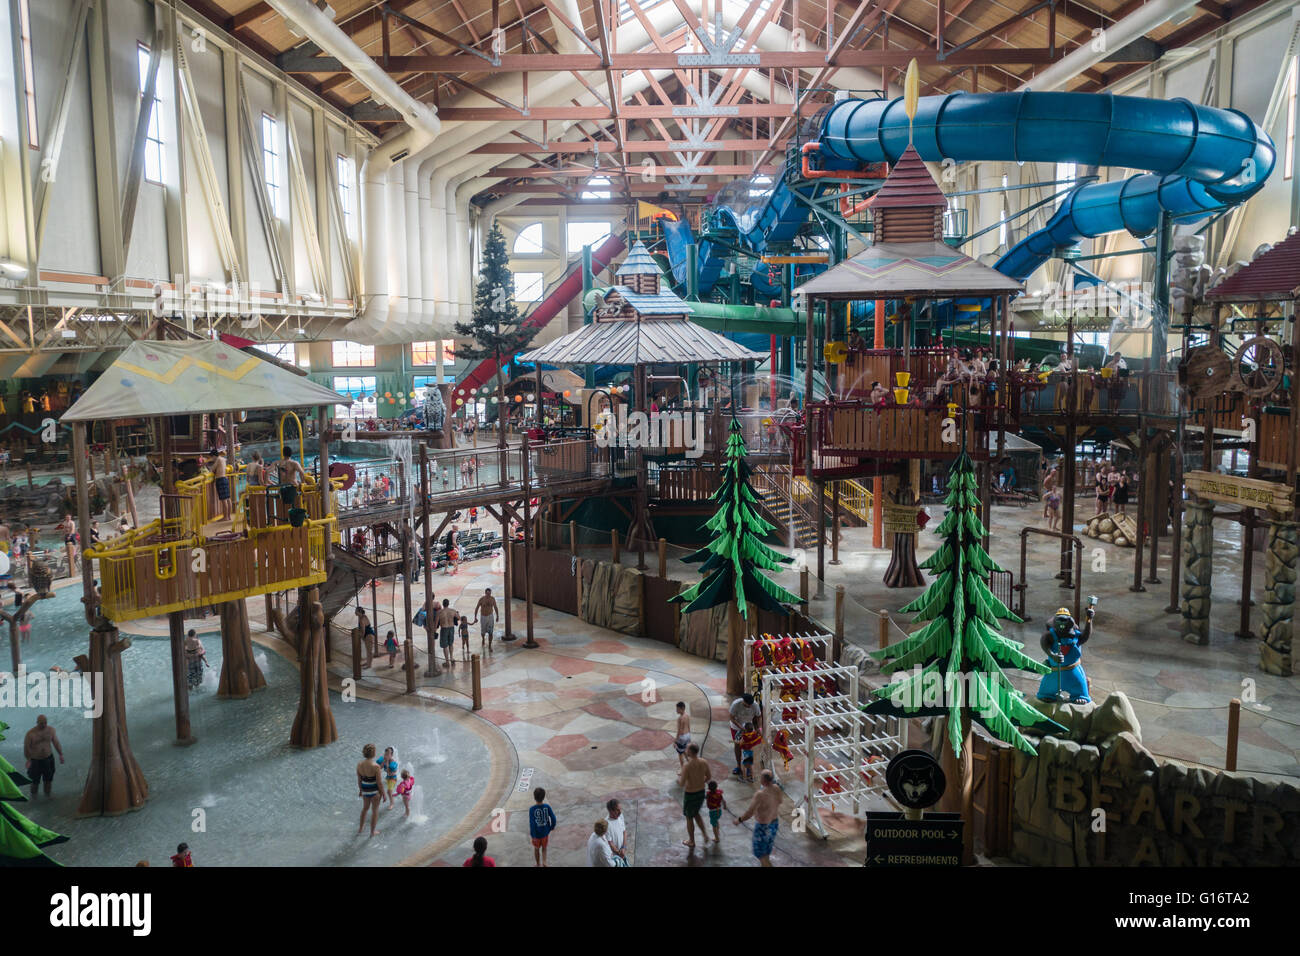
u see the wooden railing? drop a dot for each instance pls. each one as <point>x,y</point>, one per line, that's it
<point>1229,413</point>
<point>891,432</point>
<point>864,366</point>
<point>1095,393</point>
<point>146,579</point>
<point>684,484</point>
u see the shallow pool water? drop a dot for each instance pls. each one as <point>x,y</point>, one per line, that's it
<point>241,795</point>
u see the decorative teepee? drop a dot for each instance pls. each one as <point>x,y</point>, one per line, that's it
<point>22,842</point>
<point>959,652</point>
<point>733,561</point>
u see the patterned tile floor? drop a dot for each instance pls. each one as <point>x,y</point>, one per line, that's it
<point>589,715</point>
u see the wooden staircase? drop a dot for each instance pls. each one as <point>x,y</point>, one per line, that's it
<point>783,504</point>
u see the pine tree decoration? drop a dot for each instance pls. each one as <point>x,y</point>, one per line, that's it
<point>21,841</point>
<point>735,557</point>
<point>959,650</point>
<point>496,326</point>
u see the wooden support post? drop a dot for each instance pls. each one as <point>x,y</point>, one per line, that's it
<point>663,557</point>
<point>180,678</point>
<point>408,646</point>
<point>508,559</point>
<point>573,538</point>
<point>884,627</point>
<point>838,646</point>
<point>240,675</point>
<point>114,782</point>
<point>835,523</point>
<point>426,543</point>
<point>476,665</point>
<point>1234,731</point>
<point>821,539</point>
<point>613,546</point>
<point>1144,496</point>
<point>877,512</point>
<point>269,609</point>
<point>803,587</point>
<point>528,544</point>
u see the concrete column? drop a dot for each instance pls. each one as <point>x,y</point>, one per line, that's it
<point>1198,569</point>
<point>1279,598</point>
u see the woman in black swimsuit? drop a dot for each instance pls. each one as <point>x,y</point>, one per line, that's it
<point>1103,491</point>
<point>1119,491</point>
<point>369,775</point>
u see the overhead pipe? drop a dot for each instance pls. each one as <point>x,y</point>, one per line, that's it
<point>1136,25</point>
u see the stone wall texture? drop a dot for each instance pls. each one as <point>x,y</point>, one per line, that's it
<point>1155,814</point>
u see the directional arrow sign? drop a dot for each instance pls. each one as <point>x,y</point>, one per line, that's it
<point>935,840</point>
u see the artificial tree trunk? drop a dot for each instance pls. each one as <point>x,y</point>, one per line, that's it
<point>240,675</point>
<point>736,632</point>
<point>959,795</point>
<point>314,724</point>
<point>114,784</point>
<point>903,571</point>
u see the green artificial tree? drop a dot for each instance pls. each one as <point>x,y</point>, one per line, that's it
<point>735,557</point>
<point>959,652</point>
<point>22,842</point>
<point>496,327</point>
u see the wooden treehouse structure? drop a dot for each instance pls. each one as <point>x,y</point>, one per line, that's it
<point>276,539</point>
<point>890,409</point>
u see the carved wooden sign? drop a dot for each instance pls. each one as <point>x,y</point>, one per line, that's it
<point>1247,492</point>
<point>899,519</point>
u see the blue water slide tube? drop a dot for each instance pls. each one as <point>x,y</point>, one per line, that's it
<point>1201,159</point>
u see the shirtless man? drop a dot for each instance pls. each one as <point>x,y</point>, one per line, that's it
<point>290,475</point>
<point>485,613</point>
<point>764,809</point>
<point>447,632</point>
<point>40,758</point>
<point>694,778</point>
<point>221,481</point>
<point>370,787</point>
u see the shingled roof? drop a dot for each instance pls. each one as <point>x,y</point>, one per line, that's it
<point>1274,275</point>
<point>909,184</point>
<point>638,262</point>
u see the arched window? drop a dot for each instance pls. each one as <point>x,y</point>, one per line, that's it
<point>529,241</point>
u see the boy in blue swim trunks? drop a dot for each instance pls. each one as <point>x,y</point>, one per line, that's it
<point>764,808</point>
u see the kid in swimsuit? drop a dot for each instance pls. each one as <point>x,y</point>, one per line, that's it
<point>404,790</point>
<point>714,800</point>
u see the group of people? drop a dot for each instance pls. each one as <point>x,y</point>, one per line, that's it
<point>1112,488</point>
<point>700,791</point>
<point>379,780</point>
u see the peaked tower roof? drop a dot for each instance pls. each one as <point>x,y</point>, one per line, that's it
<point>638,262</point>
<point>909,184</point>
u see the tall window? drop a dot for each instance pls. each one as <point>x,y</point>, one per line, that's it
<point>29,75</point>
<point>448,351</point>
<point>597,188</point>
<point>153,143</point>
<point>581,234</point>
<point>362,390</point>
<point>1003,232</point>
<point>529,286</point>
<point>424,353</point>
<point>345,192</point>
<point>1064,171</point>
<point>529,241</point>
<point>284,351</point>
<point>1288,153</point>
<point>271,161</point>
<point>353,354</point>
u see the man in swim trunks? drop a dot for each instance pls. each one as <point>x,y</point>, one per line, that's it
<point>694,779</point>
<point>290,475</point>
<point>764,809</point>
<point>40,757</point>
<point>485,612</point>
<point>221,481</point>
<point>447,632</point>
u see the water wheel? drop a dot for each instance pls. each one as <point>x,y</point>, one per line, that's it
<point>1206,371</point>
<point>1259,366</point>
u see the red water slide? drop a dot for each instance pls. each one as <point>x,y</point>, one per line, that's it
<point>551,306</point>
